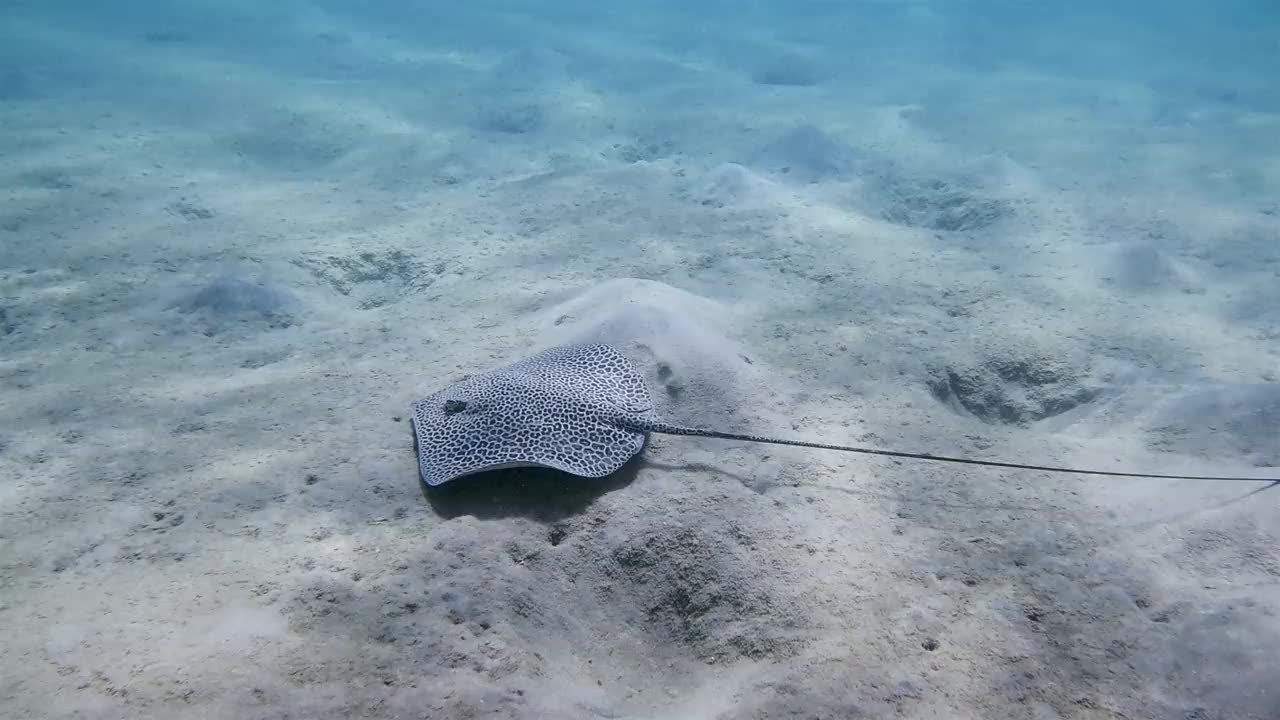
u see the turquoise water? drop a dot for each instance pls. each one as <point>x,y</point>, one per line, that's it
<point>238,240</point>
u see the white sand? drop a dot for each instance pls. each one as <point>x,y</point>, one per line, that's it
<point>236,243</point>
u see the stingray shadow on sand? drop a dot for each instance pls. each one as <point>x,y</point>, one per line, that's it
<point>536,493</point>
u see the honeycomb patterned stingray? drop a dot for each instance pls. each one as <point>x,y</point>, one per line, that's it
<point>579,409</point>
<point>584,410</point>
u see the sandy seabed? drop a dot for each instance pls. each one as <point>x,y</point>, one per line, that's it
<point>236,243</point>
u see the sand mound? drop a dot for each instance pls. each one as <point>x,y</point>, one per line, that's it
<point>680,342</point>
<point>1227,421</point>
<point>806,154</point>
<point>730,185</point>
<point>1144,267</point>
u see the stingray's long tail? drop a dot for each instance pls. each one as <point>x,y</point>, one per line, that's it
<point>658,426</point>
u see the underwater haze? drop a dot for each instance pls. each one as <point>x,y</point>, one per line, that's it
<point>238,239</point>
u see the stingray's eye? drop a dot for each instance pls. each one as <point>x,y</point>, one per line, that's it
<point>453,407</point>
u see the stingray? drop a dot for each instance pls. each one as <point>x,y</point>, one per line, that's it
<point>585,410</point>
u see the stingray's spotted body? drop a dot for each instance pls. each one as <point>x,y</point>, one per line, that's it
<point>572,408</point>
<point>585,410</point>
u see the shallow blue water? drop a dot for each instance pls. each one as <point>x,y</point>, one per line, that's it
<point>238,238</point>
